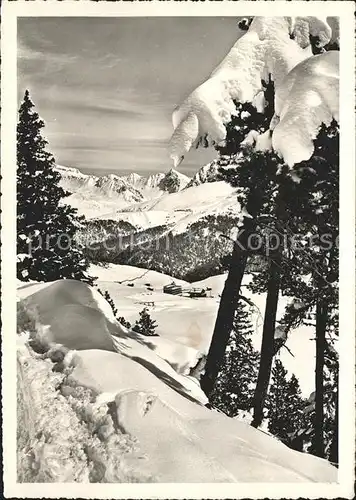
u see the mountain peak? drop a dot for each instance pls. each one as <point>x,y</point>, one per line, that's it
<point>207,173</point>
<point>173,181</point>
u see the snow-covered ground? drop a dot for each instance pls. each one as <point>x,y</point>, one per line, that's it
<point>191,321</point>
<point>122,413</point>
<point>178,210</point>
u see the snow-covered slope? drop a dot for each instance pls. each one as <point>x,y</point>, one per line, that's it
<point>181,208</point>
<point>179,233</point>
<point>78,317</point>
<point>271,46</point>
<point>190,322</point>
<point>125,414</point>
<point>176,228</point>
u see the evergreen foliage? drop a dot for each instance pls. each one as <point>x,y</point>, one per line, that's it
<point>311,227</point>
<point>234,386</point>
<point>114,309</point>
<point>124,322</point>
<point>330,403</point>
<point>145,325</point>
<point>285,407</point>
<point>248,118</point>
<point>254,175</point>
<point>301,208</point>
<point>110,301</point>
<point>46,227</point>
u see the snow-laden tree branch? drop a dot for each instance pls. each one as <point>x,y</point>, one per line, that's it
<point>272,46</point>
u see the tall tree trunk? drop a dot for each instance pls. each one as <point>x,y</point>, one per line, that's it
<point>267,347</point>
<point>227,308</point>
<point>320,329</point>
<point>334,448</point>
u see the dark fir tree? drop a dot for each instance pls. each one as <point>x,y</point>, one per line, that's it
<point>306,432</point>
<point>312,208</point>
<point>46,227</point>
<point>272,227</point>
<point>109,300</point>
<point>114,309</point>
<point>330,408</point>
<point>253,180</point>
<point>246,118</point>
<point>278,191</point>
<point>124,322</point>
<point>285,407</point>
<point>316,203</point>
<point>145,325</point>
<point>331,403</point>
<point>234,387</point>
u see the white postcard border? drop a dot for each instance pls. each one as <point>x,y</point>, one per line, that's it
<point>38,8</point>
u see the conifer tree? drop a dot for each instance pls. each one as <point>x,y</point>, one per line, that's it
<point>327,444</point>
<point>109,300</point>
<point>124,322</point>
<point>235,384</point>
<point>114,309</point>
<point>312,208</point>
<point>331,403</point>
<point>46,227</point>
<point>233,159</point>
<point>145,325</point>
<point>285,406</point>
<point>315,202</point>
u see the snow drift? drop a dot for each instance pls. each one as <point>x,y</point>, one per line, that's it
<point>272,46</point>
<point>75,315</point>
<point>63,435</point>
<point>104,414</point>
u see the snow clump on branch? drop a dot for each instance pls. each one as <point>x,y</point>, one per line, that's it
<point>271,47</point>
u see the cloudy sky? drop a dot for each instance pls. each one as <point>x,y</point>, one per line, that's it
<point>106,87</point>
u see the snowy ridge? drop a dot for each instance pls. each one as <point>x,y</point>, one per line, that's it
<point>178,210</point>
<point>178,233</point>
<point>137,420</point>
<point>140,182</point>
<point>112,183</point>
<point>208,173</point>
<point>272,46</point>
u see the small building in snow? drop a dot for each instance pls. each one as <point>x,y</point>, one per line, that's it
<point>172,289</point>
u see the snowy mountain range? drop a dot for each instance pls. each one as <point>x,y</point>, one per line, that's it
<point>123,190</point>
<point>162,197</point>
